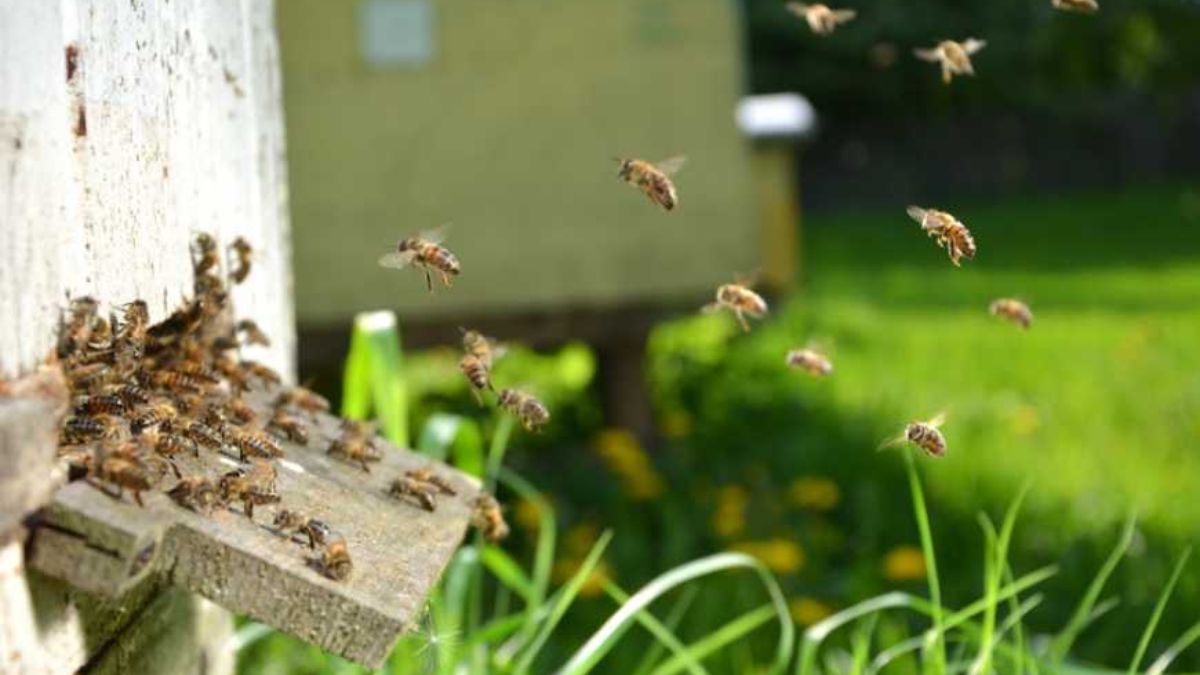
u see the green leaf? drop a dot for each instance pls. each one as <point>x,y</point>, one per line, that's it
<point>1061,645</point>
<point>507,571</point>
<point>453,436</point>
<point>373,377</point>
<point>662,633</point>
<point>1148,633</point>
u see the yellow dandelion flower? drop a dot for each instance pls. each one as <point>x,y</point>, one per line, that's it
<point>904,563</point>
<point>815,492</point>
<point>625,457</point>
<point>527,514</point>
<point>578,539</point>
<point>592,586</point>
<point>780,555</point>
<point>807,611</point>
<point>729,515</point>
<point>675,424</point>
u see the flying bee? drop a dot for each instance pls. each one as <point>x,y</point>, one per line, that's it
<point>1081,6</point>
<point>477,374</point>
<point>124,471</point>
<point>955,57</point>
<point>335,560</point>
<point>739,299</point>
<point>654,180</point>
<point>245,257</point>
<point>355,448</point>
<point>425,494</point>
<point>204,254</point>
<point>251,333</point>
<point>252,487</point>
<point>304,399</point>
<point>482,347</point>
<point>1014,310</point>
<point>488,517</point>
<point>111,404</point>
<point>810,360</point>
<point>821,19</point>
<point>530,411</point>
<point>292,427</point>
<point>196,493</point>
<point>289,522</point>
<point>154,414</point>
<point>255,443</point>
<point>96,427</point>
<point>263,373</point>
<point>428,476</point>
<point>925,435</point>
<point>425,251</point>
<point>947,231</point>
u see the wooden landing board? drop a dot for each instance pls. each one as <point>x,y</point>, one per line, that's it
<point>94,541</point>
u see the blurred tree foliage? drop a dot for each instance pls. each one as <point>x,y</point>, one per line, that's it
<point>1036,57</point>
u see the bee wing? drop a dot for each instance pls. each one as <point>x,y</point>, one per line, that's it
<point>972,45</point>
<point>437,235</point>
<point>892,442</point>
<point>672,165</point>
<point>821,345</point>
<point>498,349</point>
<point>931,55</point>
<point>918,214</point>
<point>748,280</point>
<point>937,420</point>
<point>710,308</point>
<point>397,260</point>
<point>797,8</point>
<point>844,15</point>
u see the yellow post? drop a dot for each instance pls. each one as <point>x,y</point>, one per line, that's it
<point>774,167</point>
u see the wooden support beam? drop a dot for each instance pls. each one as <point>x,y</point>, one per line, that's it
<point>95,541</point>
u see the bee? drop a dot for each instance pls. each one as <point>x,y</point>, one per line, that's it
<point>654,180</point>
<point>254,443</point>
<point>955,57</point>
<point>201,434</point>
<point>252,487</point>
<point>355,448</point>
<point>425,494</point>
<point>205,254</point>
<point>477,375</point>
<point>739,299</point>
<point>240,410</point>
<point>263,373</point>
<point>359,428</point>
<point>530,411</point>
<point>810,360</point>
<point>251,333</point>
<point>488,517</point>
<point>245,256</point>
<point>1014,310</point>
<point>335,560</point>
<point>196,493</point>
<point>75,332</point>
<point>130,341</point>
<point>925,435</point>
<point>100,403</point>
<point>97,427</point>
<point>821,19</point>
<point>428,476</point>
<point>304,399</point>
<point>176,381</point>
<point>1081,6</point>
<point>947,231</point>
<point>152,415</point>
<point>293,429</point>
<point>228,368</point>
<point>288,522</point>
<point>125,471</point>
<point>131,394</point>
<point>169,444</point>
<point>425,251</point>
<point>481,347</point>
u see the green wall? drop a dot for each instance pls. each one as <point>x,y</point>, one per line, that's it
<point>509,132</point>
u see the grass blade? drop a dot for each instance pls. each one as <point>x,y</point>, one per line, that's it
<point>938,645</point>
<point>672,622</point>
<point>500,438</point>
<point>714,641</point>
<point>453,436</point>
<point>1144,642</point>
<point>602,640</point>
<point>861,644</point>
<point>1160,664</point>
<point>663,634</point>
<point>1061,645</point>
<point>504,568</point>
<point>374,375</point>
<point>564,600</point>
<point>816,634</point>
<point>543,558</point>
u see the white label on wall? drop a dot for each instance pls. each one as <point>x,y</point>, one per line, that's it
<point>396,33</point>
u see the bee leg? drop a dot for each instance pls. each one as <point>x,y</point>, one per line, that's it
<point>175,469</point>
<point>446,281</point>
<point>137,497</point>
<point>312,541</point>
<point>742,320</point>
<point>248,505</point>
<point>428,280</point>
<point>364,465</point>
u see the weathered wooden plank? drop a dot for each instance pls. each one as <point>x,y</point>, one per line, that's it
<point>97,542</point>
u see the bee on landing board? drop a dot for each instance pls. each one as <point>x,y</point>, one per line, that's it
<point>654,180</point>
<point>122,468</point>
<point>425,251</point>
<point>252,487</point>
<point>954,57</point>
<point>531,412</point>
<point>947,231</point>
<point>821,19</point>
<point>923,434</point>
<point>244,255</point>
<point>292,523</point>
<point>196,493</point>
<point>423,493</point>
<point>1013,310</point>
<point>811,360</point>
<point>489,518</point>
<point>335,560</point>
<point>1081,6</point>
<point>355,448</point>
<point>739,299</point>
